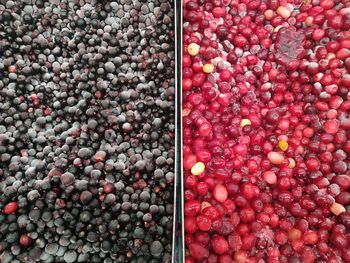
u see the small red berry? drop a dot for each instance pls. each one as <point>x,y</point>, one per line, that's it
<point>10,208</point>
<point>12,69</point>
<point>25,240</point>
<point>219,244</point>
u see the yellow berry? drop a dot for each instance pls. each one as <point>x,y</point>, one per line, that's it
<point>193,49</point>
<point>283,145</point>
<point>208,68</point>
<point>245,122</point>
<point>198,168</point>
<point>337,208</point>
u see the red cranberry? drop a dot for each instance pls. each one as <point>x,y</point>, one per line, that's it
<point>10,208</point>
<point>192,208</point>
<point>190,225</point>
<point>204,223</point>
<point>25,240</point>
<point>198,251</point>
<point>219,244</point>
<point>271,83</point>
<point>247,214</point>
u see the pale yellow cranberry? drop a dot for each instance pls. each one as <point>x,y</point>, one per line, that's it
<point>277,28</point>
<point>186,112</point>
<point>283,12</point>
<point>220,193</point>
<point>291,163</point>
<point>245,122</point>
<point>269,14</point>
<point>204,205</point>
<point>208,68</point>
<point>193,49</point>
<point>337,208</point>
<point>309,21</point>
<point>275,157</point>
<point>198,168</point>
<point>270,177</point>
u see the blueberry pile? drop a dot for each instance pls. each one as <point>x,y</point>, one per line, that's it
<point>86,130</point>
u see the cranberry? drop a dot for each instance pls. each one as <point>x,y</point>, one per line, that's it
<point>108,188</point>
<point>202,237</point>
<point>12,69</point>
<point>339,240</point>
<point>190,225</point>
<point>265,130</point>
<point>247,214</point>
<point>281,237</point>
<point>192,208</point>
<point>198,251</point>
<point>219,244</point>
<point>203,222</point>
<point>25,240</point>
<point>272,117</point>
<point>310,238</point>
<point>249,191</point>
<point>211,212</point>
<point>10,208</point>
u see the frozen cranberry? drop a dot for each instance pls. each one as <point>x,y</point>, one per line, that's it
<point>192,208</point>
<point>249,191</point>
<point>190,225</point>
<point>265,116</point>
<point>211,212</point>
<point>189,161</point>
<point>25,240</point>
<point>247,214</point>
<point>289,46</point>
<point>219,244</point>
<point>204,223</point>
<point>198,251</point>
<point>248,242</point>
<point>10,208</point>
<point>235,242</point>
<point>310,238</point>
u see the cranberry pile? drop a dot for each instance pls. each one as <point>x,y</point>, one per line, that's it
<point>87,131</point>
<point>266,130</point>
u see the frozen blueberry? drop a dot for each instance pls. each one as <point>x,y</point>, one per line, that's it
<point>70,256</point>
<point>156,248</point>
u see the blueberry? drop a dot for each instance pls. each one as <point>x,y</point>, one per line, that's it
<point>51,248</point>
<point>87,101</point>
<point>70,256</point>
